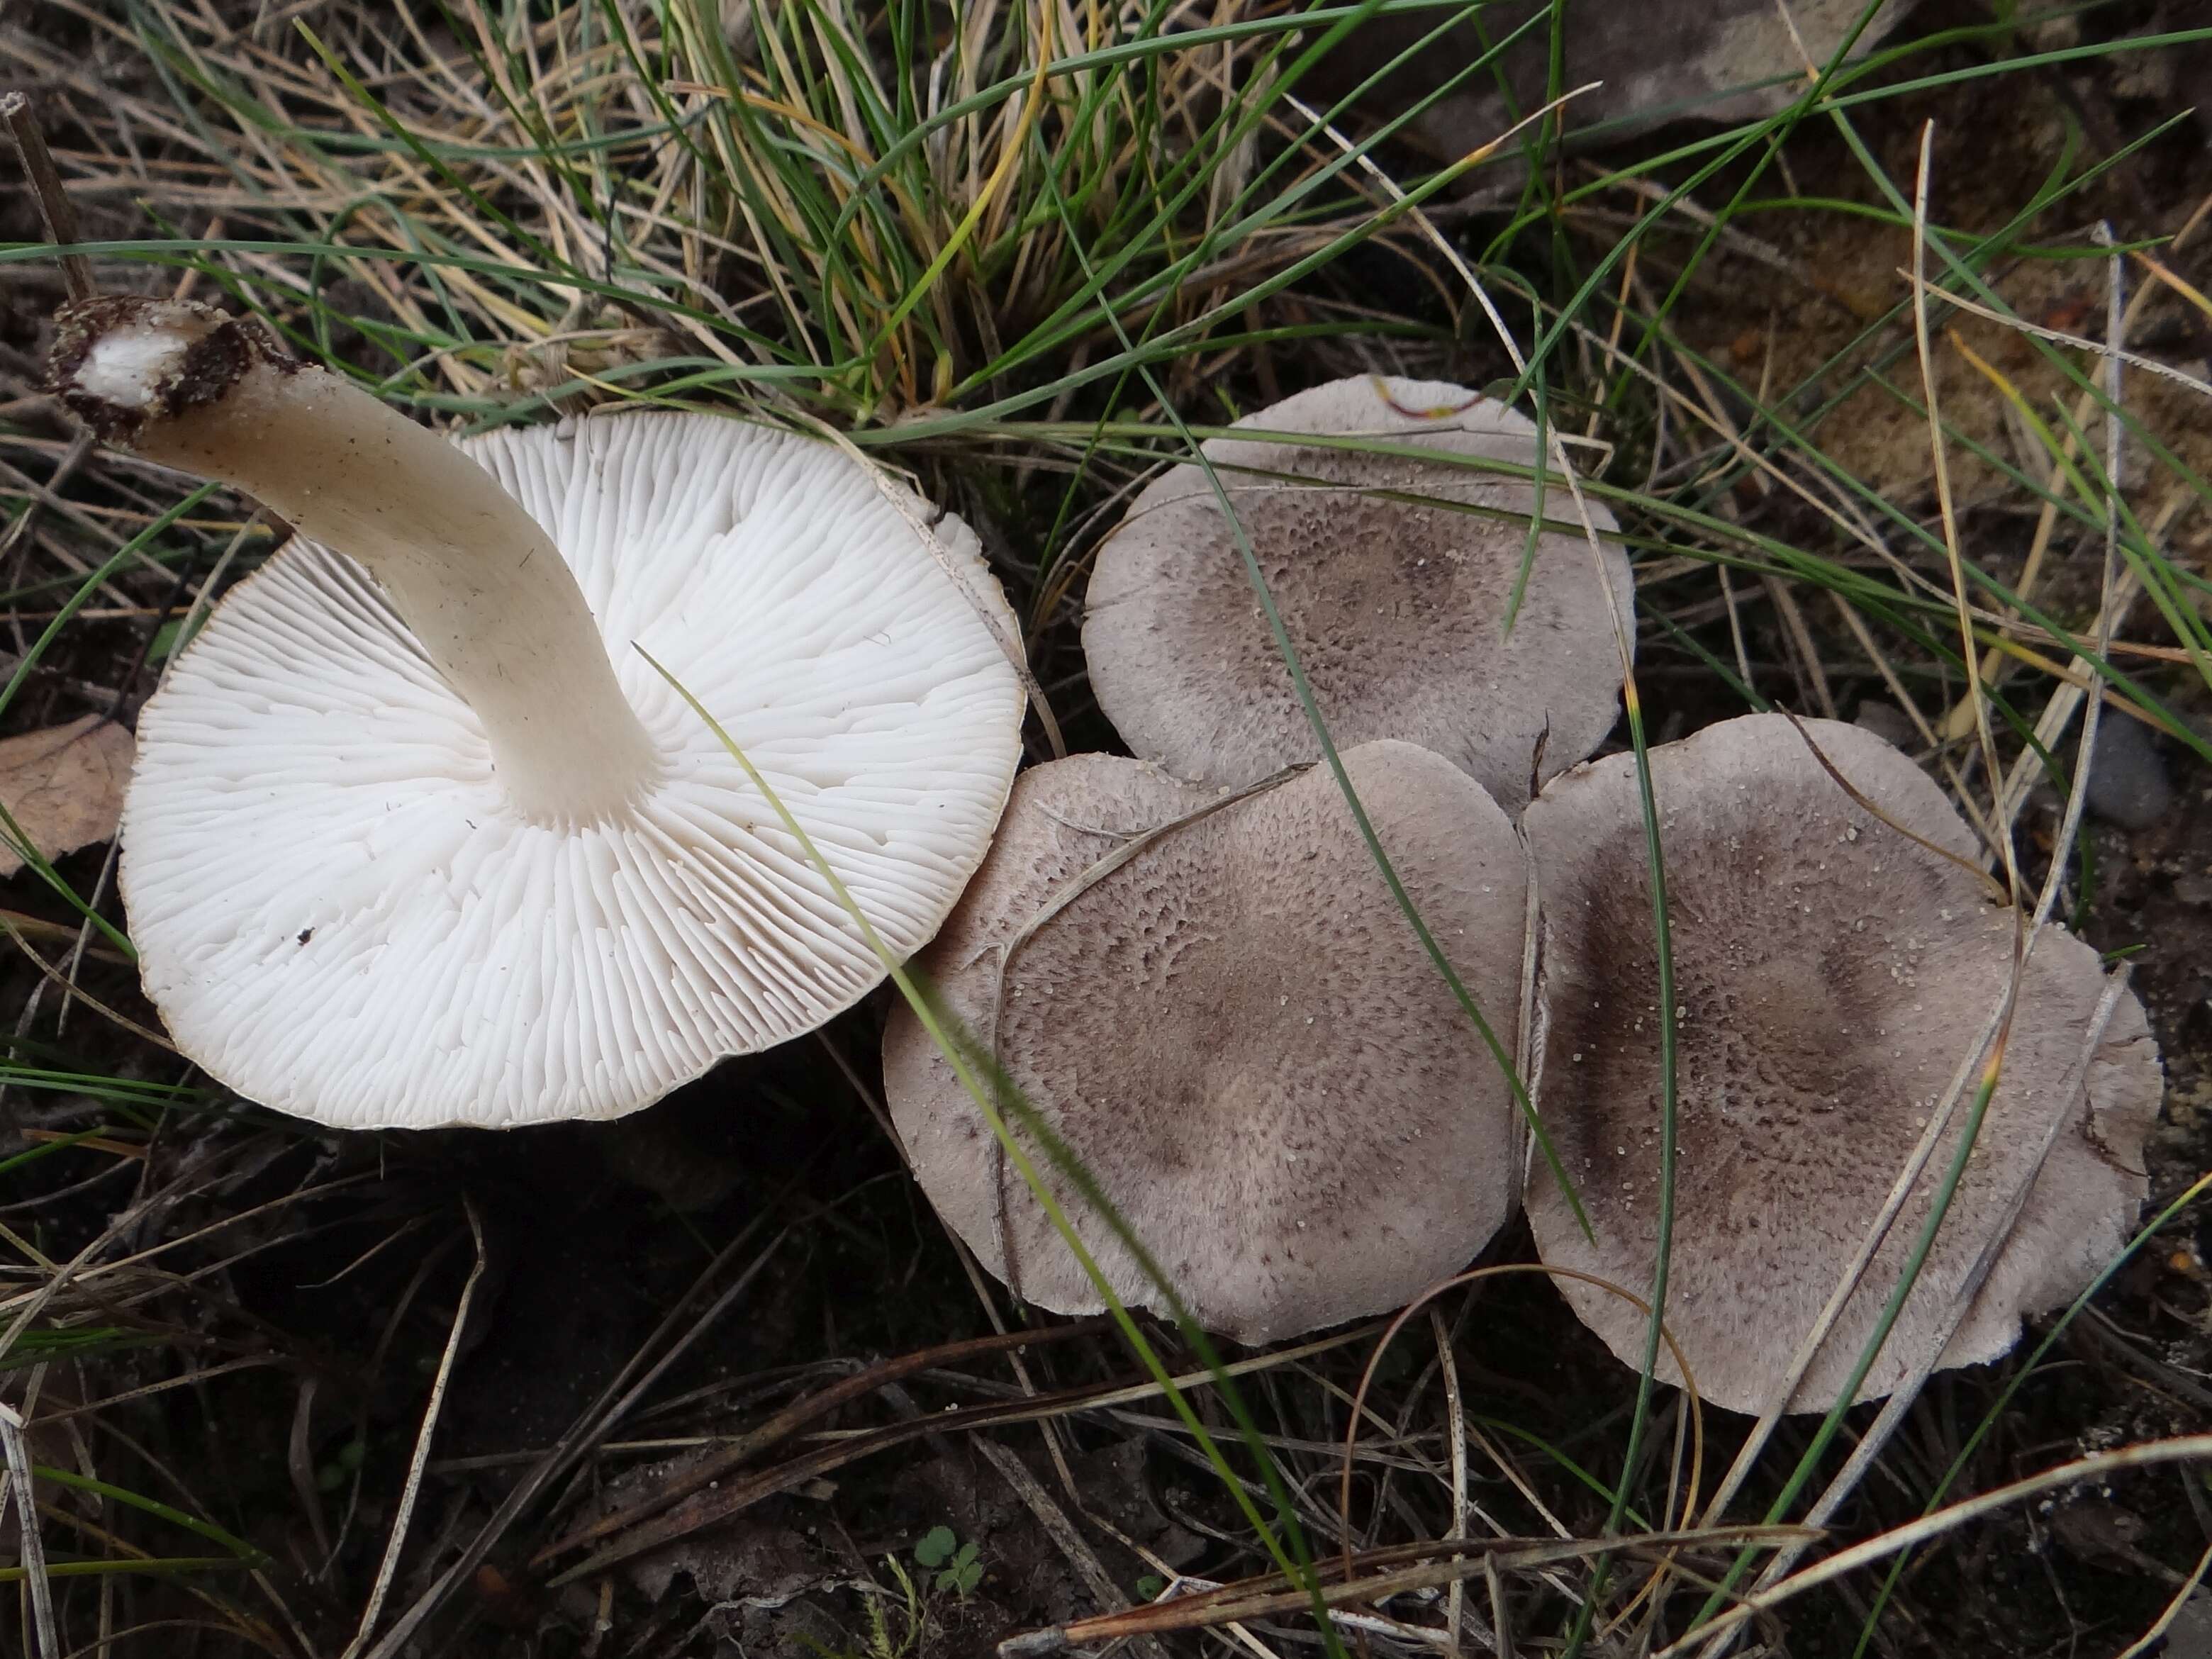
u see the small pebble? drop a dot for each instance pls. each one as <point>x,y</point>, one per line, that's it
<point>2128,781</point>
<point>1886,721</point>
<point>2194,889</point>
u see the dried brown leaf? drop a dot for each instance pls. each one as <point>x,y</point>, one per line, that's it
<point>63,787</point>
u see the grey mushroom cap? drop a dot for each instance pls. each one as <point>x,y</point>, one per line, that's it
<point>1238,1034</point>
<point>1397,610</point>
<point>1831,975</point>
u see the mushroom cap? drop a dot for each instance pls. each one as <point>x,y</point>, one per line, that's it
<point>339,914</point>
<point>1831,975</point>
<point>1239,1036</point>
<point>1397,610</point>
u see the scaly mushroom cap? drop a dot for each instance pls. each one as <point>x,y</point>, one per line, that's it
<point>1396,610</point>
<point>339,912</point>
<point>1237,1033</point>
<point>1830,977</point>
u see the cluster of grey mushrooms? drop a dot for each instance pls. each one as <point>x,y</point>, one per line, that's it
<point>421,834</point>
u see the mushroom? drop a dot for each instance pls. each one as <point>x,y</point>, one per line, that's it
<point>1235,1031</point>
<point>1396,604</point>
<point>439,848</point>
<point>1831,976</point>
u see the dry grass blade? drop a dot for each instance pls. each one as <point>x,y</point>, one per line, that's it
<point>15,1450</point>
<point>2059,337</point>
<point>1066,1538</point>
<point>1993,890</point>
<point>726,1460</point>
<point>2068,699</point>
<point>1455,1424</point>
<point>730,1497</point>
<point>1260,1599</point>
<point>618,1396</point>
<point>2182,1449</point>
<point>389,1567</point>
<point>2187,290</point>
<point>1947,508</point>
<point>1398,1321</point>
<point>2191,1589</point>
<point>45,182</point>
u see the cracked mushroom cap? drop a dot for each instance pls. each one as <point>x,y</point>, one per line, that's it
<point>1831,975</point>
<point>1397,610</point>
<point>343,912</point>
<point>1237,1033</point>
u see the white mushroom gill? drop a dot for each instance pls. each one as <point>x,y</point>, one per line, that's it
<point>478,582</point>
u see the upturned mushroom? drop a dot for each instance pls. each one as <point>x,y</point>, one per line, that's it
<point>1218,1008</point>
<point>417,838</point>
<point>1394,577</point>
<point>1831,976</point>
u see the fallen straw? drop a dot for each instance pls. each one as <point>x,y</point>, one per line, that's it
<point>46,185</point>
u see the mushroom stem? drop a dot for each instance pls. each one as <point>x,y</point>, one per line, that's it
<point>483,588</point>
